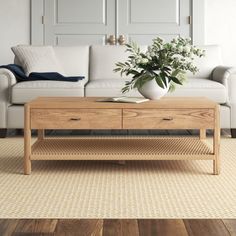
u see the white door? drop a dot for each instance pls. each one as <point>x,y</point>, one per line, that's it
<point>143,20</point>
<point>76,22</point>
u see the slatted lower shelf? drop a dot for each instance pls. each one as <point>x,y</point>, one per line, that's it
<point>121,148</point>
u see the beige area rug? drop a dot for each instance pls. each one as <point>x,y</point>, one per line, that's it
<point>102,189</point>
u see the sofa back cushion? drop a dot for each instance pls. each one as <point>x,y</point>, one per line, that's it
<point>74,59</point>
<point>103,60</point>
<point>206,64</point>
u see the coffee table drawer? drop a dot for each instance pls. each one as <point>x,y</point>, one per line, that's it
<point>168,118</point>
<point>76,118</point>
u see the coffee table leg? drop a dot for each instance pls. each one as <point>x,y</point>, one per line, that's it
<point>202,134</point>
<point>216,143</point>
<point>27,142</point>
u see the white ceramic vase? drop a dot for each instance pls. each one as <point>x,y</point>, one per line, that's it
<point>152,90</point>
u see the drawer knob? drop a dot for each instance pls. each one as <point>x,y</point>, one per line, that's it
<point>168,118</point>
<point>74,119</point>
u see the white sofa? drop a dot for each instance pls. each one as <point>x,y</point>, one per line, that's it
<point>96,63</point>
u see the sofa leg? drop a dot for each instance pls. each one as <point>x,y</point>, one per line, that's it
<point>233,133</point>
<point>3,133</point>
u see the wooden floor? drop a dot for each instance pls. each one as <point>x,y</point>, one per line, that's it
<point>118,227</point>
<point>19,132</point>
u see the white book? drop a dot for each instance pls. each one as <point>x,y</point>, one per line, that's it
<point>124,99</point>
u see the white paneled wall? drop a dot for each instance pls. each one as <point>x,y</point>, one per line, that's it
<point>221,27</point>
<point>14,26</point>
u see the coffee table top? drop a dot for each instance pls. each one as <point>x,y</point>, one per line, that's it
<point>91,102</point>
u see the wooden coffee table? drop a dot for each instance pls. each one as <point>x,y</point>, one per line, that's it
<point>86,113</point>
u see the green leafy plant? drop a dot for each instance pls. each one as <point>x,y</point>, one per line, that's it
<point>165,62</point>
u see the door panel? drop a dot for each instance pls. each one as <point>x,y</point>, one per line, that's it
<point>73,40</point>
<point>81,11</point>
<point>141,21</point>
<point>78,21</point>
<point>154,11</point>
<point>146,39</point>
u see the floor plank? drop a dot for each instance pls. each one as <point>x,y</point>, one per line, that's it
<point>32,234</point>
<point>231,226</point>
<point>162,227</point>
<point>158,132</point>
<point>111,227</point>
<point>120,227</point>
<point>177,132</point>
<point>100,132</point>
<point>7,227</point>
<point>225,132</point>
<point>13,132</point>
<point>206,228</point>
<point>36,226</point>
<point>119,132</point>
<point>79,227</point>
<point>138,132</point>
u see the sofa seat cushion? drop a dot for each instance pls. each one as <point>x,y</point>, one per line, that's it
<point>107,88</point>
<point>194,87</point>
<point>26,91</point>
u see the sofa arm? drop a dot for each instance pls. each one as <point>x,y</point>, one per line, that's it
<point>227,77</point>
<point>7,79</point>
